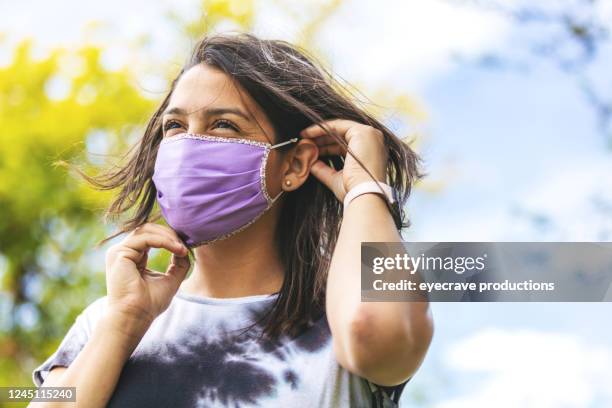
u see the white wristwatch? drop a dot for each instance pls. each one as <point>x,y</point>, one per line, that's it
<point>369,187</point>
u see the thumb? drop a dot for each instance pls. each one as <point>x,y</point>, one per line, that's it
<point>331,178</point>
<point>178,268</point>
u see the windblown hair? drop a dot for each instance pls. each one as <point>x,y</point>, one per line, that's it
<point>294,93</point>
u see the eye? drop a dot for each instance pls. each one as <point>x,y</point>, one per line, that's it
<point>169,125</point>
<point>225,122</point>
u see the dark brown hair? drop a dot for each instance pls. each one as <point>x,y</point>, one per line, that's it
<point>294,93</point>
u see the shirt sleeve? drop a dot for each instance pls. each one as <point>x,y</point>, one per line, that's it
<point>72,343</point>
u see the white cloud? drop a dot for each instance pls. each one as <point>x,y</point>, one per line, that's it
<point>566,195</point>
<point>407,41</point>
<point>528,368</point>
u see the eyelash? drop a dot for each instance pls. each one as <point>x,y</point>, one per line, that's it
<point>227,122</point>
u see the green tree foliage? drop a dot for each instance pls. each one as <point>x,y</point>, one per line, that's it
<point>50,110</point>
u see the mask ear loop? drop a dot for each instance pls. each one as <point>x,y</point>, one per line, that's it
<point>295,139</point>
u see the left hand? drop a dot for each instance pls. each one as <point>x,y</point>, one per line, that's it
<point>366,142</point>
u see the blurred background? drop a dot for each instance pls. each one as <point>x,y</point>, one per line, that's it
<point>508,102</point>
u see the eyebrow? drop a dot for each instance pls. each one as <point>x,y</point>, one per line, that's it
<point>211,111</point>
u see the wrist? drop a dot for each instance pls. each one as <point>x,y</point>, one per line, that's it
<point>379,188</point>
<point>125,328</point>
<point>353,182</point>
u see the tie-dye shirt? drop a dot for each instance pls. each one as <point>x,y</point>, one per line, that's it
<point>197,353</point>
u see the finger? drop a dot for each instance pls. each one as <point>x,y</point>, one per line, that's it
<point>178,268</point>
<point>153,274</point>
<point>324,140</point>
<point>142,264</point>
<point>154,228</point>
<point>167,230</point>
<point>123,252</point>
<point>332,150</point>
<point>142,242</point>
<point>337,126</point>
<point>329,177</point>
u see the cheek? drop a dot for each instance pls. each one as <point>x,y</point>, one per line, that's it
<point>274,173</point>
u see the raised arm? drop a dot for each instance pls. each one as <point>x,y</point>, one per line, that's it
<point>384,342</point>
<point>136,295</point>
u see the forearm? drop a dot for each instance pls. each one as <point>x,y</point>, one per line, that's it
<point>369,333</point>
<point>96,369</point>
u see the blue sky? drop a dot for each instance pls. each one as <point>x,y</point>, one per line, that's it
<point>511,141</point>
<point>503,143</point>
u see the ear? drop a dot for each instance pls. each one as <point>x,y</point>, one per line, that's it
<point>298,163</point>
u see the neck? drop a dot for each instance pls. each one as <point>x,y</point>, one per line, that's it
<point>245,264</point>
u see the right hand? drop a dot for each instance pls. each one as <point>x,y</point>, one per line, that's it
<point>134,290</point>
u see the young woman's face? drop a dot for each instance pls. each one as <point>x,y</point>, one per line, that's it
<point>206,101</point>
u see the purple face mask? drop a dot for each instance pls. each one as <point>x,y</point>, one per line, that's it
<point>209,187</point>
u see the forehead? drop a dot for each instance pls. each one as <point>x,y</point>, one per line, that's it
<point>204,86</point>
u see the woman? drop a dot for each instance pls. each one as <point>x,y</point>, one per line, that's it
<point>250,157</point>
